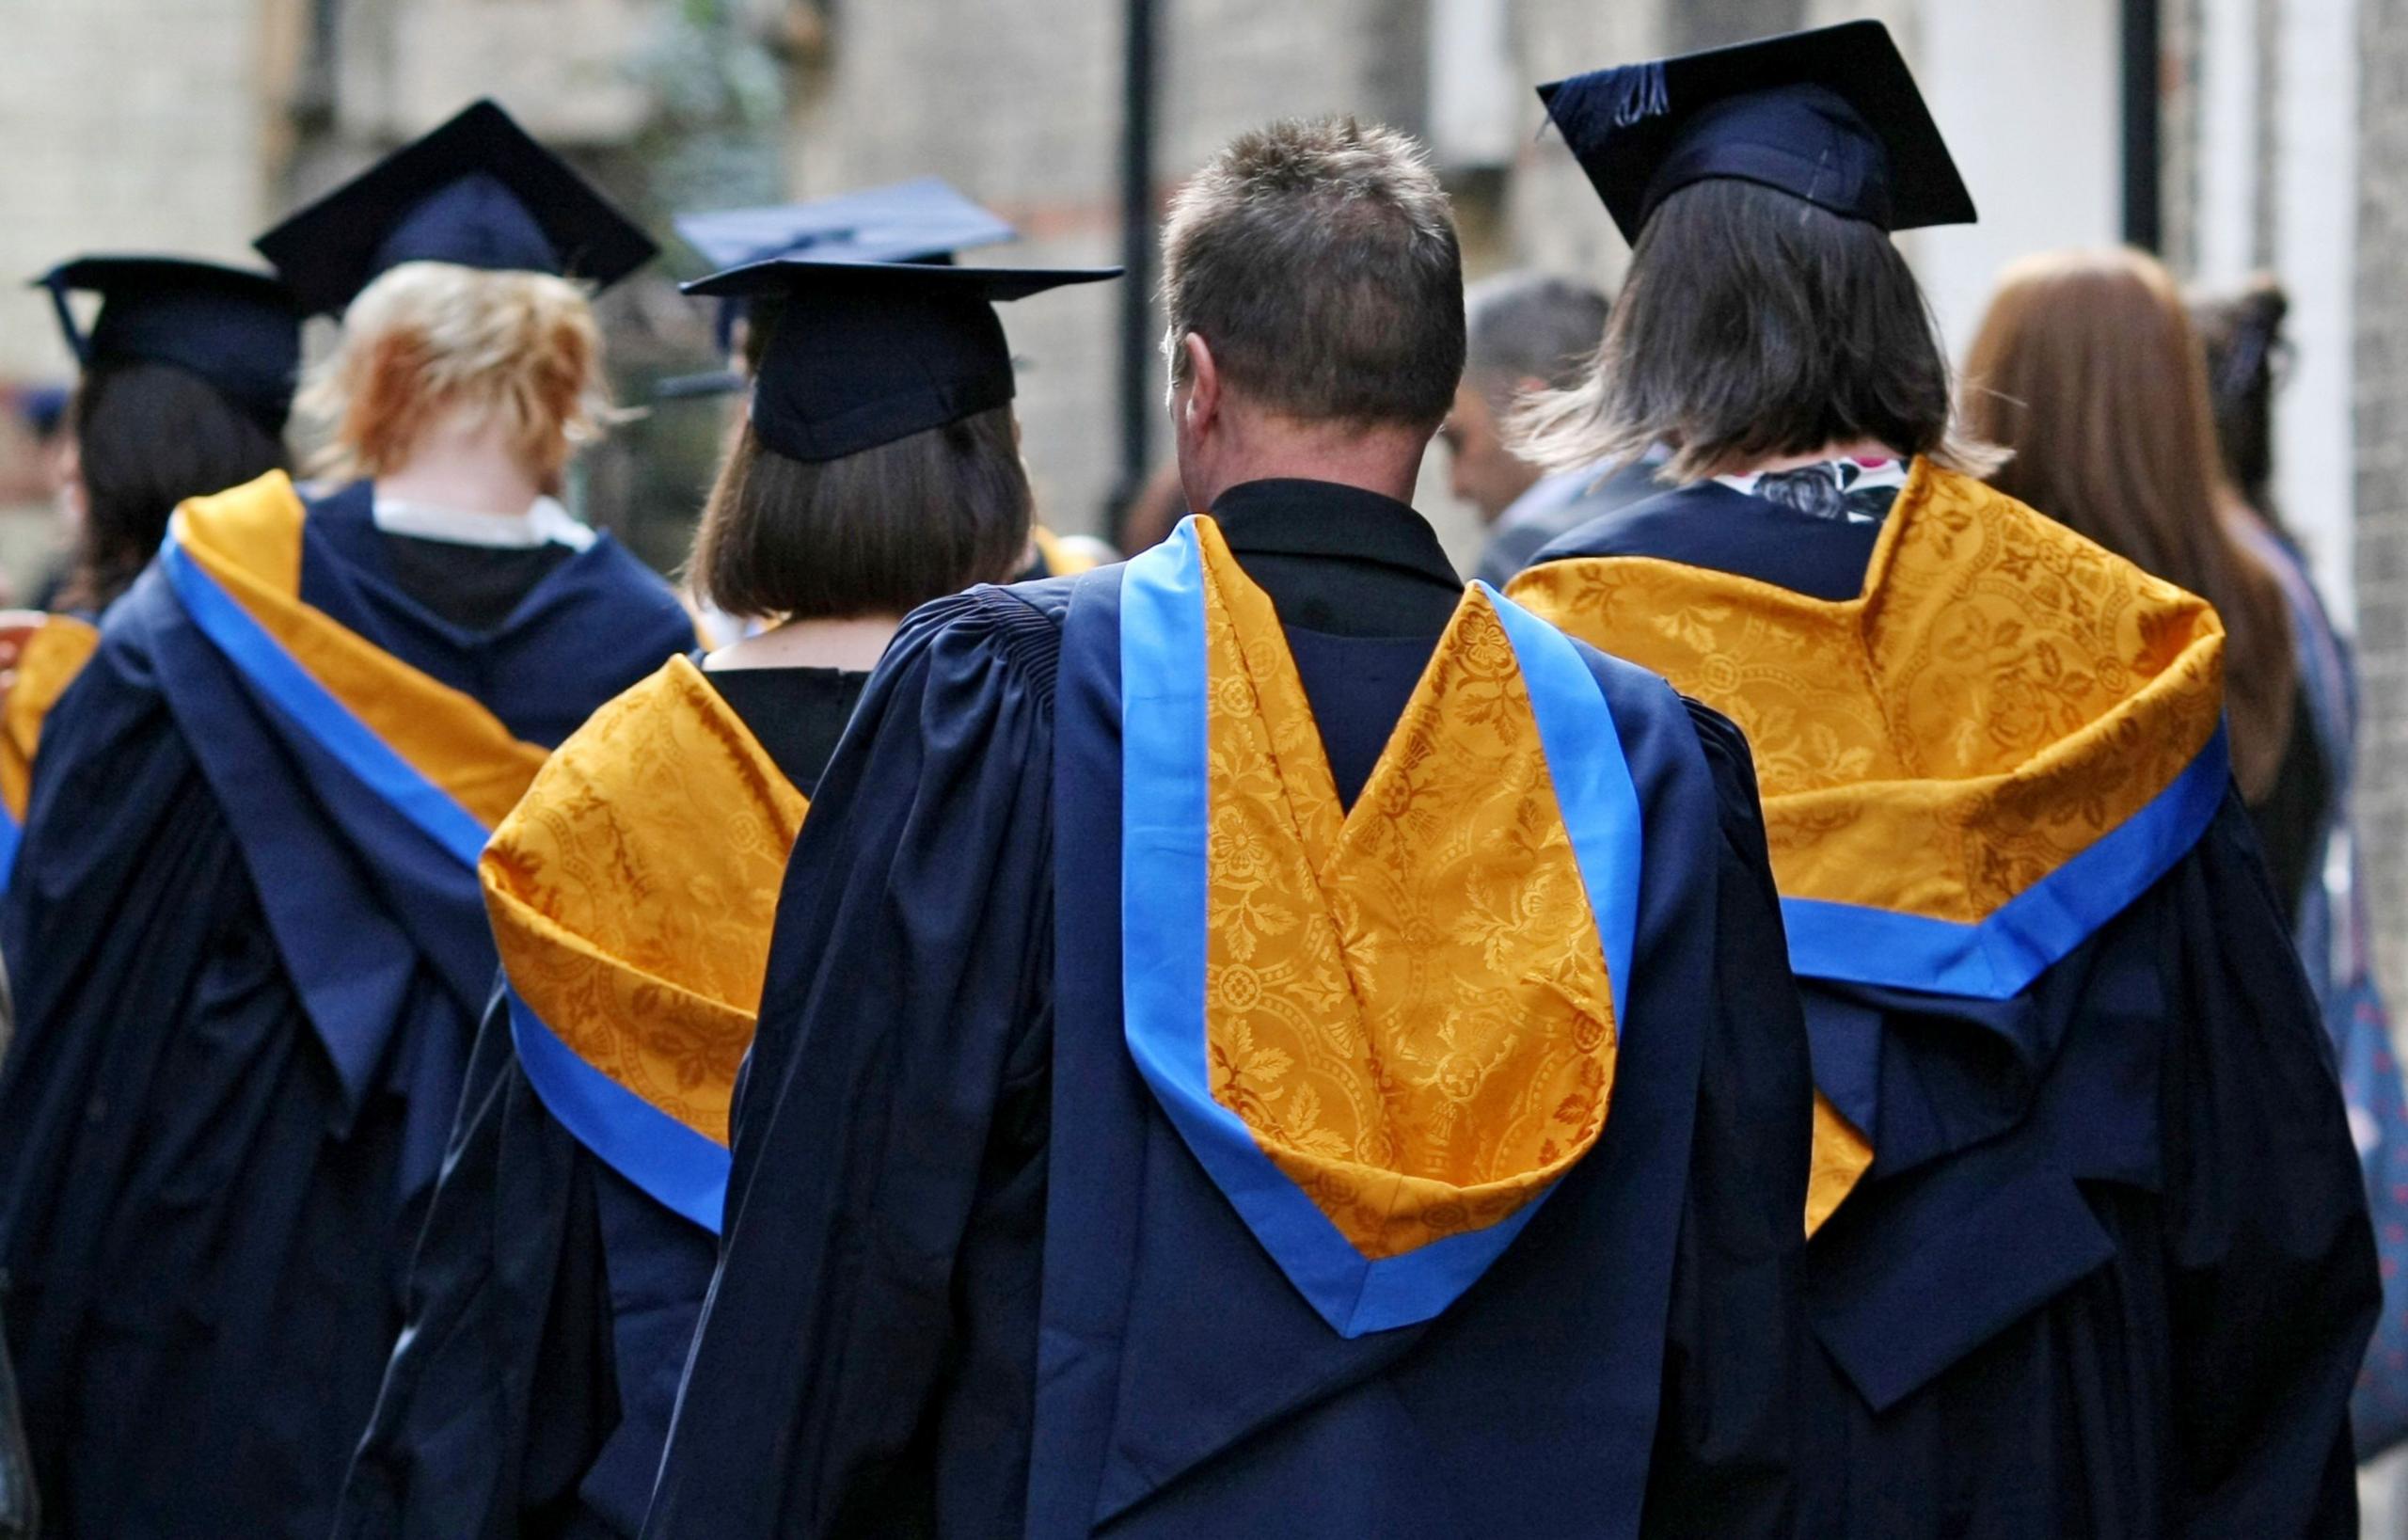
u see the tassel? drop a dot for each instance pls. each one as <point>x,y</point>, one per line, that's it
<point>794,245</point>
<point>76,342</point>
<point>1638,94</point>
<point>1589,108</point>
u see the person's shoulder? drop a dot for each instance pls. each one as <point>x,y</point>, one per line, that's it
<point>1647,709</point>
<point>1014,630</point>
<point>1625,525</point>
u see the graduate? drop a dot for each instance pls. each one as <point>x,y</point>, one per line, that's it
<point>1387,1115</point>
<point>188,371</point>
<point>573,1233</point>
<point>2090,1252</point>
<point>247,944</point>
<point>925,220</point>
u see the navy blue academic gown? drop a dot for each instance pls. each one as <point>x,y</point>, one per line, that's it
<point>2109,1274</point>
<point>551,1300</point>
<point>974,1284</point>
<point>242,1035</point>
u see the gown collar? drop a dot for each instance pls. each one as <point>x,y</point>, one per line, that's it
<point>1297,517</point>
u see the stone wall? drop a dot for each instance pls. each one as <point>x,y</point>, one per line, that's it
<point>162,146</point>
<point>2381,479</point>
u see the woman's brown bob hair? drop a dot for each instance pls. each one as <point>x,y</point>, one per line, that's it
<point>1754,326</point>
<point>2087,368</point>
<point>879,532</point>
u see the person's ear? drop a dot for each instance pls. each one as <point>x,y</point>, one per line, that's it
<point>1203,401</point>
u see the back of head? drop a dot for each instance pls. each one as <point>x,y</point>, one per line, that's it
<point>1754,325</point>
<point>879,532</point>
<point>1526,326</point>
<point>2087,370</point>
<point>2245,346</point>
<point>1318,260</point>
<point>426,339</point>
<point>148,435</point>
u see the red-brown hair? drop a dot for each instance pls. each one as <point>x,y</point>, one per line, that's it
<point>427,337</point>
<point>2089,369</point>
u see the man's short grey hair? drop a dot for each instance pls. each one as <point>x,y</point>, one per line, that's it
<point>1529,325</point>
<point>1318,260</point>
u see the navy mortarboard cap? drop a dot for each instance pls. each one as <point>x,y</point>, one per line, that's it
<point>922,220</point>
<point>1830,116</point>
<point>236,328</point>
<point>867,353</point>
<point>478,192</point>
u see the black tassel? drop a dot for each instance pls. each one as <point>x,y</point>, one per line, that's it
<point>76,341</point>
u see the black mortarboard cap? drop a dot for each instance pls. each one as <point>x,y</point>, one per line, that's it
<point>479,192</point>
<point>867,353</point>
<point>1830,116</point>
<point>920,220</point>
<point>236,328</point>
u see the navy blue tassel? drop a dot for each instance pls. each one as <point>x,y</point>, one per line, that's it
<point>1589,107</point>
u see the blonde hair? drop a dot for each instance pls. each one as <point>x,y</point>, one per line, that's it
<point>427,337</point>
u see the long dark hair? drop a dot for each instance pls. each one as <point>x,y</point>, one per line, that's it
<point>149,435</point>
<point>2087,368</point>
<point>2243,335</point>
<point>1751,325</point>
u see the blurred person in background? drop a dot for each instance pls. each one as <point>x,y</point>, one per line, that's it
<point>1149,516</point>
<point>2088,371</point>
<point>245,935</point>
<point>2247,356</point>
<point>1526,332</point>
<point>43,411</point>
<point>2090,1252</point>
<point>572,1236</point>
<point>1003,1256</point>
<point>188,372</point>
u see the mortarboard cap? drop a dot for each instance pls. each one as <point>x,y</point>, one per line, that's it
<point>922,220</point>
<point>1831,117</point>
<point>867,353</point>
<point>477,191</point>
<point>238,330</point>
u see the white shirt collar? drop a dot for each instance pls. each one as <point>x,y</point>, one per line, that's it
<point>544,522</point>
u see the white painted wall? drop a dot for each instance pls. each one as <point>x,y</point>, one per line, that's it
<point>2230,76</point>
<point>2026,92</point>
<point>2314,187</point>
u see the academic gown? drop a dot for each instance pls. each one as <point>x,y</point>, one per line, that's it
<point>959,1224</point>
<point>552,1298</point>
<point>48,659</point>
<point>2109,1272</point>
<point>246,996</point>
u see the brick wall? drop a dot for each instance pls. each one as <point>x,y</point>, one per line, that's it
<point>2381,478</point>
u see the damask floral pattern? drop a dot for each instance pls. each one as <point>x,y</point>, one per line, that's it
<point>1408,1005</point>
<point>2001,694</point>
<point>633,890</point>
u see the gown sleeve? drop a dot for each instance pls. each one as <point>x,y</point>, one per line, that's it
<point>2271,1267</point>
<point>507,1307</point>
<point>1724,1456</point>
<point>889,1131</point>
